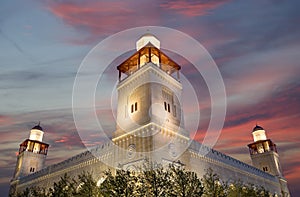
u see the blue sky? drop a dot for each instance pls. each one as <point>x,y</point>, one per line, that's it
<point>255,45</point>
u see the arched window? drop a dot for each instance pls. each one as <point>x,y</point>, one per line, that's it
<point>265,169</point>
<point>134,107</point>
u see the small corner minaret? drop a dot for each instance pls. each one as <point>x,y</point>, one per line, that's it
<point>32,153</point>
<point>264,152</point>
<point>264,156</point>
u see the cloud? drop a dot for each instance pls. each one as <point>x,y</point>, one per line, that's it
<point>96,19</point>
<point>193,8</point>
<point>273,105</point>
<point>271,113</point>
<point>5,120</point>
<point>103,18</point>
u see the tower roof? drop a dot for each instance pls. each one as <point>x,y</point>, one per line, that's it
<point>166,63</point>
<point>256,128</point>
<point>146,39</point>
<point>38,127</point>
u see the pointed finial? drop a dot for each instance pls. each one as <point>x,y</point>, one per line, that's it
<point>39,123</point>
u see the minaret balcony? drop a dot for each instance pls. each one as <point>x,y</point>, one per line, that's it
<point>34,146</point>
<point>262,146</point>
<point>148,54</point>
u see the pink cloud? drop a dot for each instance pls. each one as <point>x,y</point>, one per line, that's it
<point>5,120</point>
<point>192,8</point>
<point>98,16</point>
<point>101,18</point>
<point>293,171</point>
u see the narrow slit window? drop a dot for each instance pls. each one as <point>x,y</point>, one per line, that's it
<point>265,169</point>
<point>165,106</point>
<point>168,107</point>
<point>131,108</point>
<point>135,106</point>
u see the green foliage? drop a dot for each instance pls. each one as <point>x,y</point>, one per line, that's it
<point>64,188</point>
<point>86,186</point>
<point>213,186</point>
<point>25,193</point>
<point>262,192</point>
<point>33,192</point>
<point>152,181</point>
<point>185,183</point>
<point>106,188</point>
<point>238,189</point>
<point>122,184</point>
<point>39,192</point>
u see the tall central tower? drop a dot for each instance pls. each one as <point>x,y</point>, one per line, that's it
<point>149,115</point>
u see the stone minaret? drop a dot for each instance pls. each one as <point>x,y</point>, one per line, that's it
<point>264,156</point>
<point>149,114</point>
<point>31,156</point>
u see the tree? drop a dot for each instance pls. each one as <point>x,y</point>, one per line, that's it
<point>251,190</point>
<point>185,183</point>
<point>33,192</point>
<point>122,184</point>
<point>39,192</point>
<point>213,186</point>
<point>262,192</point>
<point>153,181</point>
<point>238,189</point>
<point>106,188</point>
<point>64,188</point>
<point>86,186</point>
<point>24,193</point>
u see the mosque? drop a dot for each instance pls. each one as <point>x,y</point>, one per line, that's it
<point>150,127</point>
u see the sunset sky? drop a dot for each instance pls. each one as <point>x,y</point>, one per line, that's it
<point>255,44</point>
